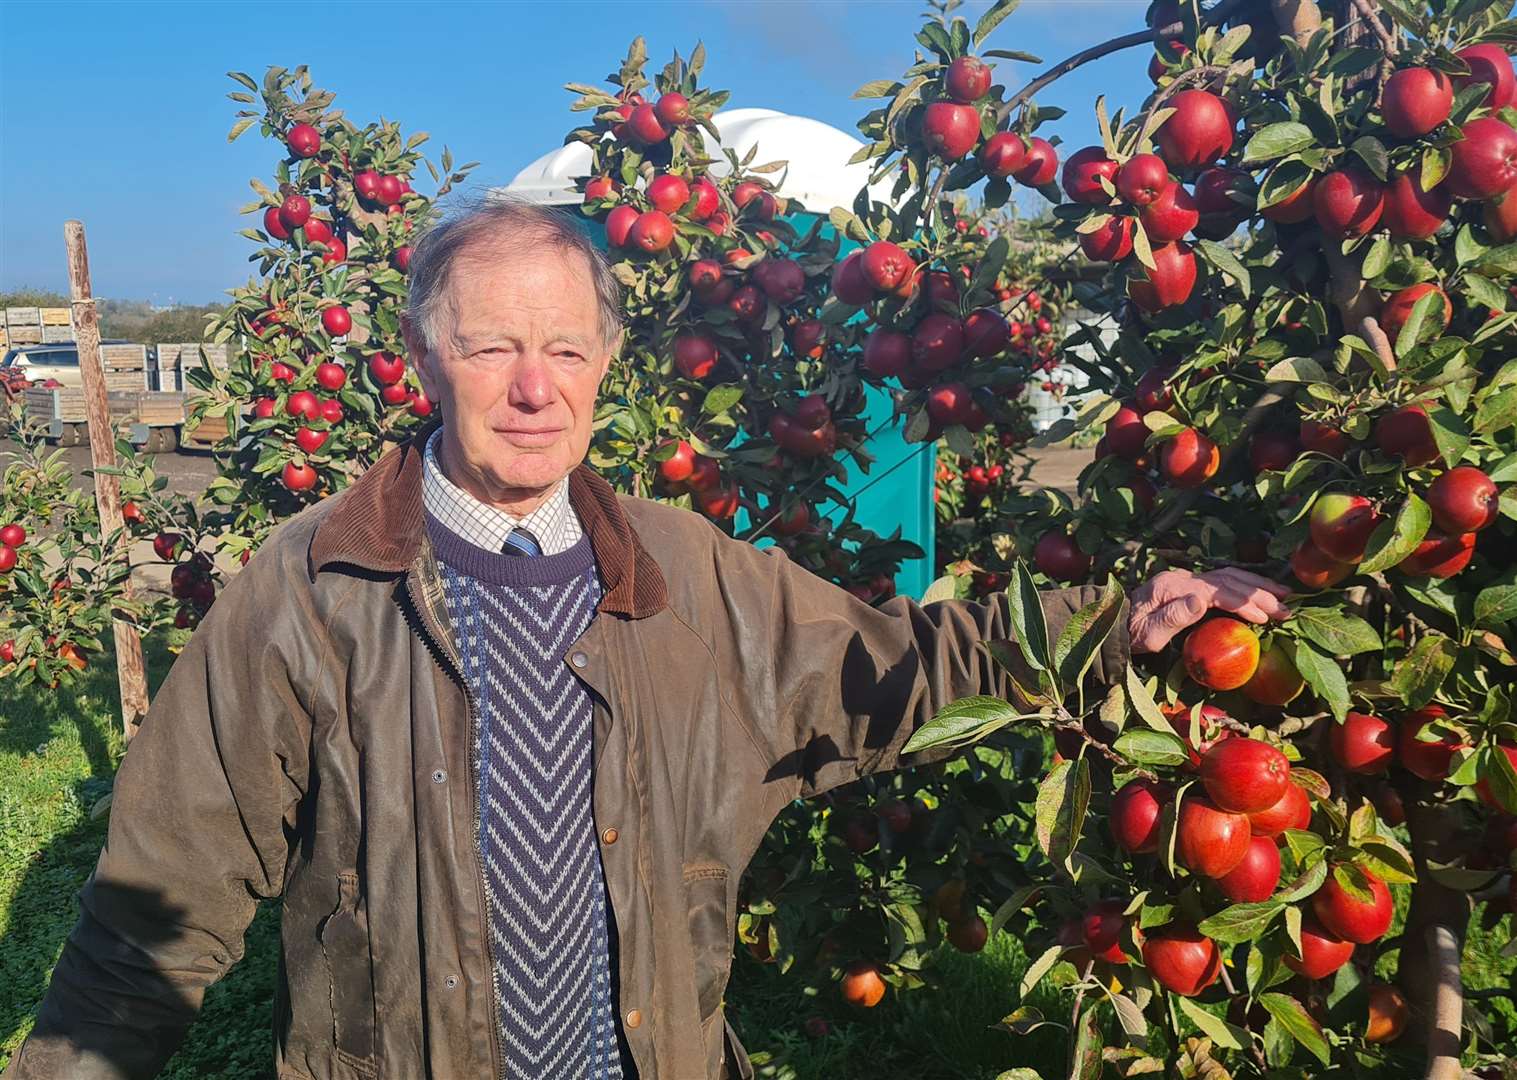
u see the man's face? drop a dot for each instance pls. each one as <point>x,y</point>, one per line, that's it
<point>516,370</point>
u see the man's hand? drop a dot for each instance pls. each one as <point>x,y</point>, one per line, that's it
<point>1176,599</point>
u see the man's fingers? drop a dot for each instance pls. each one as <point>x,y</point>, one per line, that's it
<point>1250,613</point>
<point>1249,581</point>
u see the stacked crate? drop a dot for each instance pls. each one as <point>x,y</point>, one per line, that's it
<point>164,375</point>
<point>23,326</point>
<point>125,366</point>
<point>57,324</point>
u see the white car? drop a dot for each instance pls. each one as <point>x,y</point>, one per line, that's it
<point>38,363</point>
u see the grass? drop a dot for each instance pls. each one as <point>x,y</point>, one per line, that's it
<point>59,751</point>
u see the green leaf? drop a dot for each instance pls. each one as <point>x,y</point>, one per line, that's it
<point>1302,369</point>
<point>1388,861</point>
<point>993,18</point>
<point>1371,151</point>
<point>1278,140</point>
<point>1214,1027</point>
<point>1025,58</point>
<point>944,588</point>
<point>1309,882</point>
<point>1148,747</point>
<point>1085,633</point>
<point>1224,260</point>
<point>1395,539</point>
<point>1059,813</point>
<point>1495,605</point>
<point>1040,967</point>
<point>1422,314</point>
<point>1294,1018</point>
<point>1338,633</point>
<point>1501,776</point>
<point>1241,922</point>
<point>1144,705</point>
<point>1421,672</point>
<point>1497,412</point>
<point>1450,433</point>
<point>1027,621</point>
<point>721,398</point>
<point>963,721</point>
<point>1325,677</point>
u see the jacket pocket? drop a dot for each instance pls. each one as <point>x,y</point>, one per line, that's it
<point>344,937</point>
<point>710,933</point>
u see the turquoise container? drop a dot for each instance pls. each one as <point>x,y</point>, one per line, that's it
<point>896,493</point>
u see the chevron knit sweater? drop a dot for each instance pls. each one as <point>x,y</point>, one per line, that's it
<point>551,932</point>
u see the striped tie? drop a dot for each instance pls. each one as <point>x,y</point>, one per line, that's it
<point>521,542</point>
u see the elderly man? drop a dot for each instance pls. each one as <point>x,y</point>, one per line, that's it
<point>502,739</point>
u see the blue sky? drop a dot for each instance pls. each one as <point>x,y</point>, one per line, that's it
<point>131,138</point>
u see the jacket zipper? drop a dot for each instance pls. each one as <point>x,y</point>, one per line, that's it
<point>442,645</point>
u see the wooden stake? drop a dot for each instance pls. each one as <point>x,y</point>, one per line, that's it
<point>131,674</point>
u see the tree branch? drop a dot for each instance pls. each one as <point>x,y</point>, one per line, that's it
<point>1446,1020</point>
<point>1371,331</point>
<point>1106,48</point>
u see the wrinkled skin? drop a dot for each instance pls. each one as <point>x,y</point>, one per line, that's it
<point>1176,599</point>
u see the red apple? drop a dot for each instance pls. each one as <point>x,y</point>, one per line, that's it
<point>1348,202</point>
<point>12,535</point>
<point>1003,154</point>
<point>1347,916</point>
<point>1170,216</point>
<point>719,503</point>
<point>1486,792</point>
<point>678,466</point>
<point>886,266</point>
<point>1322,952</point>
<point>862,985</point>
<point>1142,179</point>
<point>782,280</point>
<point>303,140</point>
<point>1315,569</point>
<point>600,187</point>
<point>1407,432</point>
<point>1254,879</point>
<point>310,440</point>
<point>1484,161</point>
<point>298,477</point>
<point>1463,500</point>
<point>950,129</point>
<point>336,320</point>
<point>1182,959</point>
<point>1198,132</point>
<point>1416,100</point>
<point>1222,654</point>
<point>331,411</point>
<point>1126,433</point>
<point>1273,450</point>
<point>948,403</point>
<point>968,79</point>
<point>1214,188</point>
<point>1275,681</point>
<point>985,333</point>
<point>1209,841</point>
<point>1341,525</point>
<point>849,284</point>
<point>1292,811</point>
<point>645,127</point>
<point>1500,216</point>
<point>1135,812</point>
<point>1083,172</point>
<point>387,370</point>
<point>389,191</point>
<point>668,193</point>
<point>1039,165</point>
<point>652,232</point>
<point>707,199</point>
<point>294,211</point>
<point>7,558</point>
<point>1439,556</point>
<point>1362,743</point>
<point>1491,65</point>
<point>1102,930</point>
<point>1411,213</point>
<point>1152,393</point>
<point>1323,439</point>
<point>619,225</point>
<point>1111,242</point>
<point>673,109</point>
<point>1398,308</point>
<point>366,184</point>
<point>1169,282</point>
<point>274,225</point>
<point>1057,555</point>
<point>938,342</point>
<point>1189,459</point>
<point>303,403</point>
<point>1295,207</point>
<point>317,231</point>
<point>421,405</point>
<point>331,376</point>
<point>1429,760</point>
<point>1245,776</point>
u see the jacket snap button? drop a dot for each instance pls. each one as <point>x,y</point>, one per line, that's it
<point>438,776</point>
<point>579,659</point>
<point>609,836</point>
<point>451,982</point>
<point>634,1018</point>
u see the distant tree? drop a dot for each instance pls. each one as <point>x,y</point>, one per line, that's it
<point>26,296</point>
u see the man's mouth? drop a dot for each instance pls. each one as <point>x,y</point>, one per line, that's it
<point>530,436</point>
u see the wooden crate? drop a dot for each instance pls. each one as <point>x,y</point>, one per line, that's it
<point>24,335</point>
<point>130,379</point>
<point>160,409</point>
<point>210,431</point>
<point>166,356</point>
<point>216,357</point>
<point>54,334</point>
<point>23,316</point>
<point>164,380</point>
<point>56,316</point>
<point>123,357</point>
<point>131,405</point>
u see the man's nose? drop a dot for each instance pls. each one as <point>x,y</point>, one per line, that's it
<point>531,383</point>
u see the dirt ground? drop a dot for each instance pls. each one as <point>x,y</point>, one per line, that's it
<point>189,472</point>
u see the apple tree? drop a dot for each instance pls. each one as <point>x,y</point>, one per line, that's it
<point>1262,852</point>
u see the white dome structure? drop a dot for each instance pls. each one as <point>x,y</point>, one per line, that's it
<point>817,175</point>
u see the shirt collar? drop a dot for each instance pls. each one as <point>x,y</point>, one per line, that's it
<point>553,524</point>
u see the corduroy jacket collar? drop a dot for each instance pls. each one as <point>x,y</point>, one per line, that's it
<point>377,524</point>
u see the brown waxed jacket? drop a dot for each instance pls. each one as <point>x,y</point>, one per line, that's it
<point>312,742</point>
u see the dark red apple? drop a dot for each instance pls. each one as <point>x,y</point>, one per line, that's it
<point>1214,188</point>
<point>1083,173</point>
<point>645,127</point>
<point>1411,213</point>
<point>1484,161</point>
<point>1003,154</point>
<point>1153,393</point>
<point>1416,100</point>
<point>1245,776</point>
<point>1295,207</point>
<point>1208,840</point>
<point>1292,811</point>
<point>1039,165</point>
<point>1102,929</point>
<point>1254,879</point>
<point>950,129</point>
<point>849,284</point>
<point>887,353</point>
<point>1182,959</point>
<point>1169,282</point>
<point>1348,202</point>
<point>303,140</point>
<point>1135,812</point>
<point>1463,500</point>
<point>1198,132</point>
<point>1429,760</point>
<point>1323,439</point>
<point>1322,952</point>
<point>938,342</point>
<point>1407,432</point>
<point>1273,450</point>
<point>1126,433</point>
<point>1347,916</point>
<point>695,354</point>
<point>274,225</point>
<point>1439,556</point>
<point>1398,308</point>
<point>1142,179</point>
<point>986,333</point>
<point>1057,555</point>
<point>1110,242</point>
<point>1363,743</point>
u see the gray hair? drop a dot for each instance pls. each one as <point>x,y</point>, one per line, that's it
<point>515,223</point>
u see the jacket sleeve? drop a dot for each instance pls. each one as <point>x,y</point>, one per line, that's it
<point>846,683</point>
<point>202,809</point>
